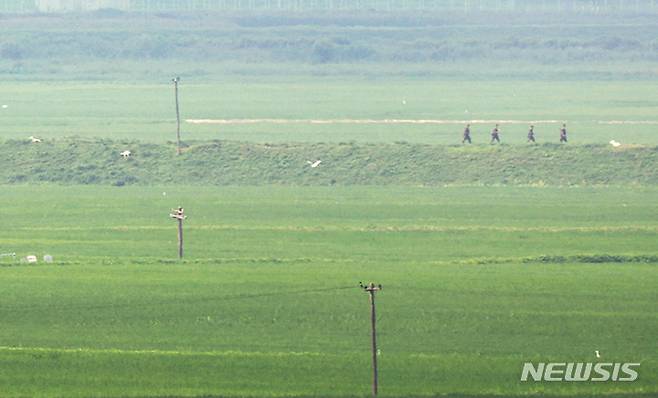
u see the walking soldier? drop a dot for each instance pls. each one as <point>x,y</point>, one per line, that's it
<point>563,133</point>
<point>531,134</point>
<point>495,135</point>
<point>467,134</point>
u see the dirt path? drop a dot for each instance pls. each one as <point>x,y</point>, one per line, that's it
<point>362,121</point>
<point>402,121</point>
<point>649,122</point>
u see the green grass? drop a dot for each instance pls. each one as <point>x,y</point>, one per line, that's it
<point>331,223</point>
<point>266,302</point>
<point>490,256</point>
<point>78,161</point>
<point>236,330</point>
<point>145,111</point>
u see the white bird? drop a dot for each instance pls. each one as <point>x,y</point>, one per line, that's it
<point>314,164</point>
<point>125,154</point>
<point>598,355</point>
<point>404,102</point>
<point>5,106</point>
<point>615,143</point>
<point>35,140</point>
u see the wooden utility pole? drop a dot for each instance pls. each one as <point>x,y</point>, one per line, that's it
<point>179,214</point>
<point>372,289</point>
<point>176,80</point>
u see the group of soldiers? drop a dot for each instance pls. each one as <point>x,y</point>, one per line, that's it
<point>495,134</point>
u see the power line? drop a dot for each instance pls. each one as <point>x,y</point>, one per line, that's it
<point>371,288</point>
<point>179,215</point>
<point>176,80</point>
<point>172,301</point>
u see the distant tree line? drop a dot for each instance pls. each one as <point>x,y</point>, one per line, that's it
<point>336,44</point>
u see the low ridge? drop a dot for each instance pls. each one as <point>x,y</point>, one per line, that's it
<point>78,161</point>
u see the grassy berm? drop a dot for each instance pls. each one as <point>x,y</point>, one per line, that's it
<point>77,161</point>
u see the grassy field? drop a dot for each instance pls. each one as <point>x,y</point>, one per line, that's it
<point>477,280</point>
<point>226,163</point>
<point>490,256</point>
<point>145,111</point>
<point>266,302</point>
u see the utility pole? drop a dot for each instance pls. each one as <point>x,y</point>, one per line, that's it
<point>179,214</point>
<point>372,289</point>
<point>176,80</point>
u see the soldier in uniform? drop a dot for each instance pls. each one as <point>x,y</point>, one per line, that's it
<point>563,133</point>
<point>467,134</point>
<point>495,135</point>
<point>531,134</point>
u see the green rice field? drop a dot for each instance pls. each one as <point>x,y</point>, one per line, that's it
<point>412,110</point>
<point>477,281</point>
<point>321,149</point>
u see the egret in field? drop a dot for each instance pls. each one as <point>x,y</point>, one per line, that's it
<point>404,102</point>
<point>615,143</point>
<point>5,106</point>
<point>125,154</point>
<point>34,139</point>
<point>314,164</point>
<point>598,354</point>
